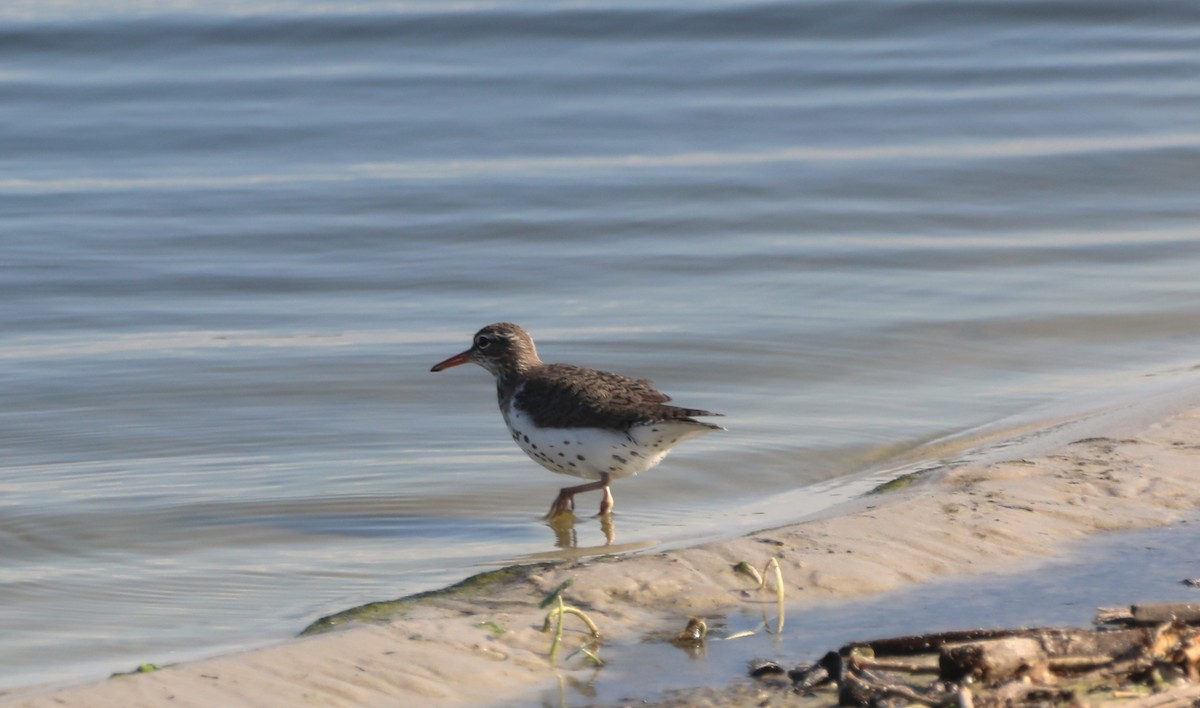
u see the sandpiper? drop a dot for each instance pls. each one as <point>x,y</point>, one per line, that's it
<point>578,421</point>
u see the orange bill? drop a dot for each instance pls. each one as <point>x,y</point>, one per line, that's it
<point>456,360</point>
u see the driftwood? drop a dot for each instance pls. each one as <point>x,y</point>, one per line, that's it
<point>992,660</point>
<point>1148,615</point>
<point>905,667</point>
<point>925,643</point>
<point>1157,664</point>
<point>1116,644</point>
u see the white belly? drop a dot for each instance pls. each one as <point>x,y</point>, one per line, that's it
<point>590,452</point>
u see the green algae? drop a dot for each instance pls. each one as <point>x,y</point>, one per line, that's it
<point>904,480</point>
<point>493,627</point>
<point>387,610</point>
<point>141,669</point>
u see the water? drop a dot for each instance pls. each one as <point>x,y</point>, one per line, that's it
<point>236,237</point>
<point>1110,570</point>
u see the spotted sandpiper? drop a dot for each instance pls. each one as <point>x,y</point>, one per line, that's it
<point>578,421</point>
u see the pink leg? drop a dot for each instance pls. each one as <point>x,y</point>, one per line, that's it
<point>606,504</point>
<point>565,501</point>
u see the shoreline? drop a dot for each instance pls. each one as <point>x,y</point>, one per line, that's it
<point>1014,501</point>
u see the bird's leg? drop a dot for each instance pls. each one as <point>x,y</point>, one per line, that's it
<point>565,501</point>
<point>606,504</point>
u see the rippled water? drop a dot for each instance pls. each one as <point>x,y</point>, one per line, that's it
<point>235,237</point>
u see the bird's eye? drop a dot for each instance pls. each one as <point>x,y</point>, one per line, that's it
<point>483,341</point>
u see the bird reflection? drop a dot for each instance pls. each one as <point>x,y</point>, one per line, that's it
<point>565,536</point>
<point>567,545</point>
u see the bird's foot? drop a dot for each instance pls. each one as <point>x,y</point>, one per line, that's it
<point>564,503</point>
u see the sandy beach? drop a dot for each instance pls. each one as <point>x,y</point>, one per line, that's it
<point>1020,499</point>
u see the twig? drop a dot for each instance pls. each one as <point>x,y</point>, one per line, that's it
<point>567,609</point>
<point>906,667</point>
<point>558,630</point>
<point>595,659</point>
<point>749,571</point>
<point>778,591</point>
<point>555,593</point>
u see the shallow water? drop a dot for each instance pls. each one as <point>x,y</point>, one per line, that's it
<point>1109,570</point>
<point>236,238</point>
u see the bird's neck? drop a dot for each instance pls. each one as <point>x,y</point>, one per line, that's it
<point>510,376</point>
<point>506,387</point>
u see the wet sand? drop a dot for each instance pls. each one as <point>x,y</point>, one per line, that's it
<point>1021,499</point>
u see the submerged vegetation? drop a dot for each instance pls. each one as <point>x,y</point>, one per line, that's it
<point>387,610</point>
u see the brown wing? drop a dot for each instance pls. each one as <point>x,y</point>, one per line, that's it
<point>567,396</point>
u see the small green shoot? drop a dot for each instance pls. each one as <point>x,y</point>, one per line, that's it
<point>555,593</point>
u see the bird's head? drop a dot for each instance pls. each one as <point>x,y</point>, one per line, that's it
<point>501,348</point>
